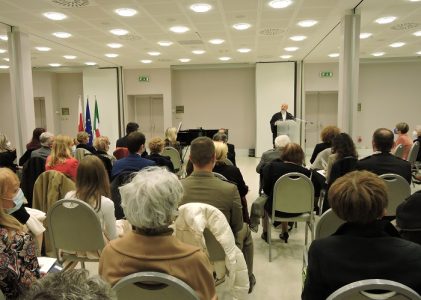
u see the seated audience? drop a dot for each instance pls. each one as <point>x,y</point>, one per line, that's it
<point>46,140</point>
<point>156,145</point>
<point>150,202</point>
<point>342,147</point>
<point>202,186</point>
<point>7,154</point>
<point>408,218</point>
<point>222,136</point>
<point>83,142</point>
<point>171,140</point>
<point>19,265</point>
<point>327,135</point>
<point>130,127</point>
<point>365,247</point>
<point>403,138</point>
<point>382,161</point>
<point>133,162</point>
<point>93,187</point>
<point>61,159</point>
<point>32,145</point>
<point>418,139</point>
<point>280,142</point>
<point>71,284</point>
<point>102,145</point>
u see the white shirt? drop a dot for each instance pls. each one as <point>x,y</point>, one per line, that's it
<point>284,115</point>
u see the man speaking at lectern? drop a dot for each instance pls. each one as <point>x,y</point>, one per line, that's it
<point>283,115</point>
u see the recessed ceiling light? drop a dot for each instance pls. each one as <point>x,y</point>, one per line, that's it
<point>90,63</point>
<point>385,20</point>
<point>298,38</point>
<point>6,59</point>
<point>285,56</point>
<point>4,67</point>
<point>125,12</point>
<point>146,61</point>
<point>119,31</point>
<point>200,7</point>
<point>418,33</point>
<point>184,60</point>
<point>224,58</point>
<point>3,50</point>
<point>378,53</point>
<point>397,44</point>
<point>365,35</point>
<point>414,0</point>
<point>111,55</point>
<point>241,26</point>
<point>62,35</point>
<point>179,29</point>
<point>419,52</point>
<point>43,49</point>
<point>333,55</point>
<point>56,16</point>
<point>280,3</point>
<point>291,49</point>
<point>69,56</point>
<point>114,45</point>
<point>198,52</point>
<point>165,43</point>
<point>154,53</point>
<point>244,50</point>
<point>55,65</point>
<point>216,41</point>
<point>3,37</point>
<point>307,23</point>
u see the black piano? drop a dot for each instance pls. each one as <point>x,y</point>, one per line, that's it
<point>185,137</point>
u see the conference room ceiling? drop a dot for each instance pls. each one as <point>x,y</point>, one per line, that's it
<point>269,37</point>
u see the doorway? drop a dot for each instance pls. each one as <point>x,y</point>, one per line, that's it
<point>39,107</point>
<point>321,110</point>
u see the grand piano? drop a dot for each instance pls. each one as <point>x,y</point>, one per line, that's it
<point>185,137</point>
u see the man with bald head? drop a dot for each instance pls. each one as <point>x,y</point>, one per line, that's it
<point>283,115</point>
<point>382,161</point>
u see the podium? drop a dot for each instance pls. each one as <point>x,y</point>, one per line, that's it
<point>289,128</point>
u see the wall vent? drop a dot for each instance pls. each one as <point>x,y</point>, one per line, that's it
<point>73,3</point>
<point>405,26</point>
<point>271,31</point>
<point>190,42</point>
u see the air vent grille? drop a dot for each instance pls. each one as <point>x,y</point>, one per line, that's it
<point>130,37</point>
<point>72,3</point>
<point>190,42</point>
<point>405,26</point>
<point>271,31</point>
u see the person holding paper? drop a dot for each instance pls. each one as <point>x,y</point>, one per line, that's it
<point>281,116</point>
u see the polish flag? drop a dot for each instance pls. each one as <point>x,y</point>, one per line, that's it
<point>80,125</point>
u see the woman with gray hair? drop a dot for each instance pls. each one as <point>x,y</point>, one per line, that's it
<point>150,203</point>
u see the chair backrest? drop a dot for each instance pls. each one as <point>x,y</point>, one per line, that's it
<point>121,152</point>
<point>361,290</point>
<point>153,285</point>
<point>328,224</point>
<point>398,189</point>
<point>219,175</point>
<point>80,153</point>
<point>2,297</point>
<point>228,162</point>
<point>293,193</point>
<point>399,151</point>
<point>413,153</point>
<point>174,155</point>
<point>215,250</point>
<point>73,225</point>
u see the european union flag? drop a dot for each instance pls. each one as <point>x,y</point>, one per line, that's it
<point>88,124</point>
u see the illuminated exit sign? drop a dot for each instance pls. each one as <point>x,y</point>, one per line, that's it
<point>143,78</point>
<point>325,74</point>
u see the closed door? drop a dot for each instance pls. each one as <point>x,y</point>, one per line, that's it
<point>149,114</point>
<point>39,107</point>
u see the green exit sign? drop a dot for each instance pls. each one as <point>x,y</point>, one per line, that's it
<point>326,74</point>
<point>144,78</point>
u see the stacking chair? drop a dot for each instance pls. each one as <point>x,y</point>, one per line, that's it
<point>398,190</point>
<point>74,227</point>
<point>121,152</point>
<point>216,255</point>
<point>328,224</point>
<point>399,151</point>
<point>362,290</point>
<point>220,176</point>
<point>412,157</point>
<point>175,158</point>
<point>153,285</point>
<point>293,193</point>
<point>228,162</point>
<point>80,153</point>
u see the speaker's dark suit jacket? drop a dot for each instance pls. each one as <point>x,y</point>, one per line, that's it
<point>382,163</point>
<point>356,252</point>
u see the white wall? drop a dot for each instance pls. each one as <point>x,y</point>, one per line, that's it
<point>218,98</point>
<point>6,123</point>
<point>314,83</point>
<point>44,85</point>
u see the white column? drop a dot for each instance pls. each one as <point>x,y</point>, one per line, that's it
<point>348,71</point>
<point>22,101</point>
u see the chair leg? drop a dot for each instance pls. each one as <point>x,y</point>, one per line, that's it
<point>82,263</point>
<point>269,237</point>
<point>306,234</point>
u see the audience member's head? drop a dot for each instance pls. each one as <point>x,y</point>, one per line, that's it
<point>328,133</point>
<point>136,142</point>
<point>221,151</point>
<point>46,139</point>
<point>343,146</point>
<point>402,128</point>
<point>82,137</point>
<point>36,134</point>
<point>102,143</point>
<point>358,197</point>
<point>293,152</point>
<point>150,201</point>
<point>72,284</point>
<point>418,130</point>
<point>171,134</point>
<point>61,149</point>
<point>202,152</point>
<point>9,187</point>
<point>220,137</point>
<point>281,141</point>
<point>4,143</point>
<point>383,140</point>
<point>156,145</point>
<point>131,127</point>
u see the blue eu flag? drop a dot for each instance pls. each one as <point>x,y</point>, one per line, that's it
<point>88,124</point>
